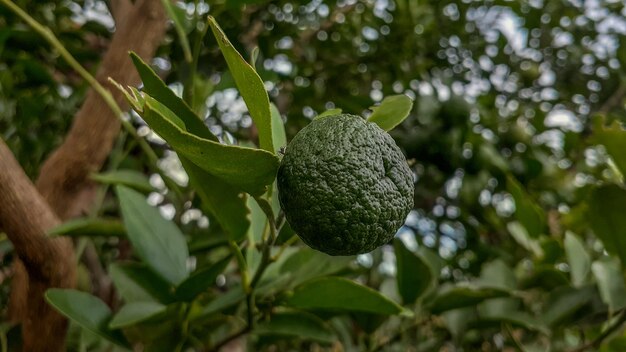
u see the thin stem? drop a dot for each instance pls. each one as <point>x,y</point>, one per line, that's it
<point>284,246</point>
<point>189,92</point>
<point>4,342</point>
<point>47,34</point>
<point>250,306</point>
<point>516,341</point>
<point>619,322</point>
<point>243,267</point>
<point>229,339</point>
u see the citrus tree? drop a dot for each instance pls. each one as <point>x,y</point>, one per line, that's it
<point>261,200</point>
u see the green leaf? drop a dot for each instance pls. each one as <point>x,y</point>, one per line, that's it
<point>307,264</point>
<point>331,112</point>
<point>339,294</point>
<point>200,280</point>
<point>497,274</point>
<point>458,320</point>
<point>129,178</point>
<point>86,310</point>
<point>258,222</point>
<point>454,297</point>
<point>278,128</point>
<point>613,137</point>
<point>178,17</point>
<point>517,318</point>
<point>89,227</point>
<point>219,198</point>
<point>577,258</point>
<point>529,214</point>
<point>608,274</point>
<point>246,168</point>
<point>156,88</point>
<point>300,325</point>
<point>135,312</point>
<point>136,282</point>
<point>521,236</point>
<point>563,302</point>
<point>158,242</point>
<point>391,111</point>
<point>605,214</point>
<point>250,86</point>
<point>232,297</point>
<point>414,276</point>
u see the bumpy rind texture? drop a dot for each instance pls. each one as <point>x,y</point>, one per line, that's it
<point>344,185</point>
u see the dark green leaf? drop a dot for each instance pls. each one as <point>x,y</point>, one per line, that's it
<point>156,88</point>
<point>517,318</point>
<point>605,214</point>
<point>136,282</point>
<point>454,297</point>
<point>300,325</point>
<point>564,302</point>
<point>307,264</point>
<point>135,312</point>
<point>200,280</point>
<point>521,236</point>
<point>250,86</point>
<point>86,310</point>
<point>89,227</point>
<point>219,198</point>
<point>128,178</point>
<point>529,214</point>
<point>158,242</point>
<point>339,294</point>
<point>249,169</point>
<point>391,111</point>
<point>234,296</point>
<point>414,276</point>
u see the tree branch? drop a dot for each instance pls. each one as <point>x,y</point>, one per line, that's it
<point>119,9</point>
<point>48,261</point>
<point>64,178</point>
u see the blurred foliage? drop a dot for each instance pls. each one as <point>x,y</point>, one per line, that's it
<point>515,140</point>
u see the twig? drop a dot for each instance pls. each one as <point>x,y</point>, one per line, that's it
<point>243,267</point>
<point>595,343</point>
<point>47,34</point>
<point>614,100</point>
<point>230,338</point>
<point>516,341</point>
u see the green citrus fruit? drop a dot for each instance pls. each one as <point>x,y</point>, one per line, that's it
<point>344,185</point>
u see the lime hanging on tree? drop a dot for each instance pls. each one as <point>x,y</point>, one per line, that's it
<point>344,185</point>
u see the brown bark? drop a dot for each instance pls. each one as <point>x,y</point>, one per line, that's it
<point>49,262</point>
<point>64,187</point>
